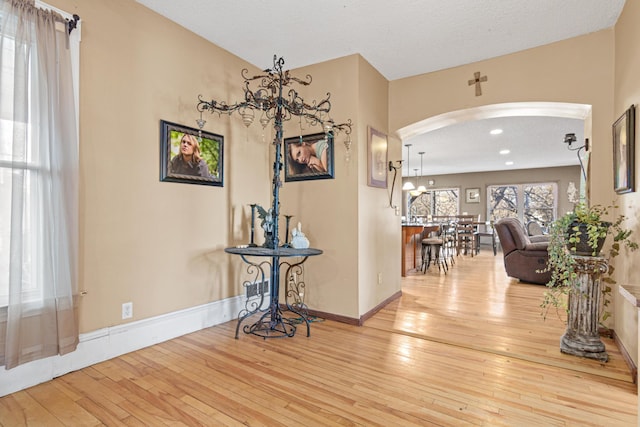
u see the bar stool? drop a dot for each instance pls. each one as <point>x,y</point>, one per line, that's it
<point>448,235</point>
<point>432,244</point>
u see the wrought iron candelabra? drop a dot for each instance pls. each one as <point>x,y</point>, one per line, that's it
<point>274,97</point>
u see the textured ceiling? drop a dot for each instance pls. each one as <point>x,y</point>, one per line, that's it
<point>400,38</point>
<point>403,38</point>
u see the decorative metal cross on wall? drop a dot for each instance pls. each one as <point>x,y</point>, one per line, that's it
<point>476,81</point>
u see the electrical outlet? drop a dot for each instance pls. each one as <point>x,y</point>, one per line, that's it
<point>379,278</point>
<point>127,310</point>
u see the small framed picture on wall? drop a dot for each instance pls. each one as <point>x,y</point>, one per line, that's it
<point>308,157</point>
<point>473,195</point>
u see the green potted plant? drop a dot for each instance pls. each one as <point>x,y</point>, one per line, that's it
<point>582,232</point>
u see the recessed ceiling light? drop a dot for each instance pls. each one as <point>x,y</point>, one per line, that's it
<point>496,132</point>
<point>503,152</point>
<point>509,163</point>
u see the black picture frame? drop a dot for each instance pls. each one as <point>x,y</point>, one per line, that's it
<point>624,152</point>
<point>296,171</point>
<point>207,171</point>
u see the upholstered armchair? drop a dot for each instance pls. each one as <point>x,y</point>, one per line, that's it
<point>524,256</point>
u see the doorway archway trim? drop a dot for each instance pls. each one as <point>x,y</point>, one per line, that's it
<point>509,109</point>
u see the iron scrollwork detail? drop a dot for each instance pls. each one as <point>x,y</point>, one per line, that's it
<point>272,323</point>
<point>295,289</point>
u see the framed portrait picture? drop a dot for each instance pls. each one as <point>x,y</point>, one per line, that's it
<point>624,152</point>
<point>308,157</point>
<point>190,156</point>
<point>377,159</point>
<point>473,195</point>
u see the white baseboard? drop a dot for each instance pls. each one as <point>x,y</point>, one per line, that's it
<point>107,343</point>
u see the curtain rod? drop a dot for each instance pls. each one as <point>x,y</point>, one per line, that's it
<point>73,22</point>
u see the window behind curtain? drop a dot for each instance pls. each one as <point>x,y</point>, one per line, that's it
<point>6,172</point>
<point>32,291</point>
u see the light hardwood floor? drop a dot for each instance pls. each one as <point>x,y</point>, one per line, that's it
<point>466,348</point>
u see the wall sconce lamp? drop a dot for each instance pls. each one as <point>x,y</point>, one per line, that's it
<point>569,139</point>
<point>393,184</point>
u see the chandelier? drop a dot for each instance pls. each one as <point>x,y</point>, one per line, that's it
<point>272,95</point>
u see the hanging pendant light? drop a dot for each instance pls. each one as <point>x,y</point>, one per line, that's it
<point>421,188</point>
<point>408,185</point>
<point>415,193</point>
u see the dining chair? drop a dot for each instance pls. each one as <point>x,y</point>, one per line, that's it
<point>467,237</point>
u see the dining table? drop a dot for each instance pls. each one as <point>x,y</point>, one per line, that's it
<point>485,229</point>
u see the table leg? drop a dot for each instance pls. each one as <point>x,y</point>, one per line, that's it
<point>403,268</point>
<point>414,250</point>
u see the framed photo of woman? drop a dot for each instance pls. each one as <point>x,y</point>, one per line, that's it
<point>190,156</point>
<point>624,152</point>
<point>308,157</point>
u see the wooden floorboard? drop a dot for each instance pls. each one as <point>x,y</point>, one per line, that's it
<point>475,305</point>
<point>466,348</point>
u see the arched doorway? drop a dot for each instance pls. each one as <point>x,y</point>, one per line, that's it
<point>533,117</point>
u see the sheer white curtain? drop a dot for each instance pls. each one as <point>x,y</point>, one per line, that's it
<point>38,186</point>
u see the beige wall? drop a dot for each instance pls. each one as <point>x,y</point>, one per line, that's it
<point>560,175</point>
<point>627,92</point>
<point>160,245</point>
<point>578,70</point>
<point>378,224</point>
<point>327,209</point>
<point>350,221</point>
<point>156,244</point>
